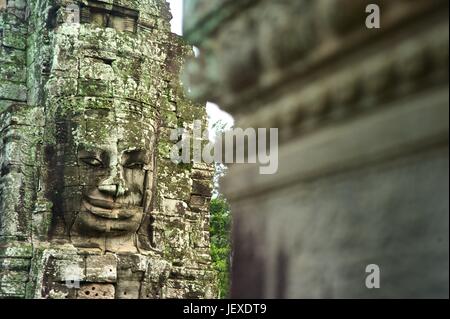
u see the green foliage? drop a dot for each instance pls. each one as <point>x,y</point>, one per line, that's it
<point>220,242</point>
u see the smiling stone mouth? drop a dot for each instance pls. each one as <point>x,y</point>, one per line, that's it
<point>108,210</point>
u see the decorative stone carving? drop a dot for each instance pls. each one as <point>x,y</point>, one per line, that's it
<point>85,170</point>
<point>108,15</point>
<point>107,190</point>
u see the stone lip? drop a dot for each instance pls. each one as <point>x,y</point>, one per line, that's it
<point>108,209</point>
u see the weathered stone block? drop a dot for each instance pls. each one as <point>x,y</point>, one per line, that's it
<point>62,86</point>
<point>16,264</point>
<point>127,289</point>
<point>14,39</point>
<point>201,187</point>
<point>15,249</point>
<point>96,291</point>
<point>197,201</point>
<point>173,207</point>
<point>13,91</point>
<point>95,88</point>
<point>202,174</point>
<point>12,72</point>
<point>68,269</point>
<point>12,289</point>
<point>10,55</point>
<point>96,69</point>
<point>101,268</point>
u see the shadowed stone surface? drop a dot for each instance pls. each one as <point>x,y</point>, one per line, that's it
<point>363,158</point>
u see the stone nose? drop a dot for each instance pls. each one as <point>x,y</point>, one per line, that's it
<point>109,189</point>
<point>114,190</point>
<point>114,185</point>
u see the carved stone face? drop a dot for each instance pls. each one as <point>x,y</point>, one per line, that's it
<point>105,135</point>
<point>106,192</point>
<point>113,204</point>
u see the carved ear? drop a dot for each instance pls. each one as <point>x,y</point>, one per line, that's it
<point>145,233</point>
<point>145,240</point>
<point>148,195</point>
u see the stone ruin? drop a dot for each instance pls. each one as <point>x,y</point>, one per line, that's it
<point>91,205</point>
<point>363,120</point>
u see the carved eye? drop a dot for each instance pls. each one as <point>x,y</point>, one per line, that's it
<point>135,165</point>
<point>92,161</point>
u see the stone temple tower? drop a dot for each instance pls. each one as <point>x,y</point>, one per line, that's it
<point>91,206</point>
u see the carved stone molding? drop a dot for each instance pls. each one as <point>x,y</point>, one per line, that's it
<point>275,42</point>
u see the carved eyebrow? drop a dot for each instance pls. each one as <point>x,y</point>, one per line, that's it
<point>84,150</point>
<point>82,147</point>
<point>89,151</point>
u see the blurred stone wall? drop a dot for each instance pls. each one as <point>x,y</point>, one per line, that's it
<point>363,128</point>
<point>87,76</point>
